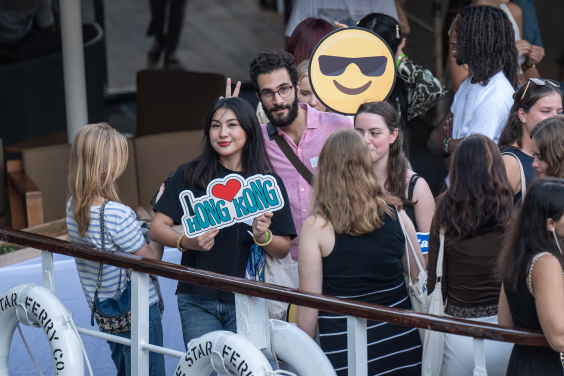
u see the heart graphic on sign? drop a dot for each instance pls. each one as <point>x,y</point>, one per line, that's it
<point>227,191</point>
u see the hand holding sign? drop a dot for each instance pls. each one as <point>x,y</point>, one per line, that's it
<point>203,242</point>
<point>260,225</point>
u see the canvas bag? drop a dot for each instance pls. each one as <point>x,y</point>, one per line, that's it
<point>416,285</point>
<point>282,272</point>
<point>434,342</point>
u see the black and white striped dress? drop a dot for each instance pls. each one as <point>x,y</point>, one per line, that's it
<point>368,268</point>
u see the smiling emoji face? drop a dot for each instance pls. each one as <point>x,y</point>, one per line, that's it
<point>349,67</point>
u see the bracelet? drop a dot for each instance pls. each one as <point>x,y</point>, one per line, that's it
<point>399,59</point>
<point>446,145</point>
<point>180,241</point>
<point>528,66</point>
<point>267,239</point>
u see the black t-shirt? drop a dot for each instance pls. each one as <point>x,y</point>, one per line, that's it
<point>230,252</point>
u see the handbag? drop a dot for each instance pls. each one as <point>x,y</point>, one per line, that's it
<point>522,171</point>
<point>281,272</point>
<point>112,315</point>
<point>434,342</point>
<point>416,285</point>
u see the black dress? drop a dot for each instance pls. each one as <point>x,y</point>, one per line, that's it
<point>529,360</point>
<point>528,170</point>
<point>368,268</point>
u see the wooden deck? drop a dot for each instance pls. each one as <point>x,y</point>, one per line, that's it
<point>218,36</point>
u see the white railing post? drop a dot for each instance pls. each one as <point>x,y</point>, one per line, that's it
<point>252,320</point>
<point>139,323</point>
<point>479,358</point>
<point>357,346</point>
<point>48,270</point>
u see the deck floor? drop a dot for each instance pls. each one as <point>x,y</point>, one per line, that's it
<point>219,36</point>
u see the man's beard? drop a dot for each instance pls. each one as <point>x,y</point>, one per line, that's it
<point>284,121</point>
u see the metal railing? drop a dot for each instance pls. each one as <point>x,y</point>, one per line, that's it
<point>251,303</point>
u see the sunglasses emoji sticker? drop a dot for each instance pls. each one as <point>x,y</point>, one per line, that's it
<point>349,67</point>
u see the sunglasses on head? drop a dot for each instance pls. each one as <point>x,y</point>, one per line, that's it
<point>373,66</point>
<point>538,82</point>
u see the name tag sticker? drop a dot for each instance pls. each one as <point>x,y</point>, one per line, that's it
<point>314,162</point>
<point>228,201</point>
<point>467,115</point>
<point>423,238</point>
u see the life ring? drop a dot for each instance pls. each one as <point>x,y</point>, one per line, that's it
<point>36,306</point>
<point>223,352</point>
<point>295,348</point>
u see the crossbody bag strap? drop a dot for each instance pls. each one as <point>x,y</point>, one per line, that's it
<point>522,171</point>
<point>102,236</point>
<point>407,247</point>
<point>293,158</point>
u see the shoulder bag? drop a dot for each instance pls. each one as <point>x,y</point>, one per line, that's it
<point>416,285</point>
<point>112,315</point>
<point>434,343</point>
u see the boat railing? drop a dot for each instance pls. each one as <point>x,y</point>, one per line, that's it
<point>250,297</point>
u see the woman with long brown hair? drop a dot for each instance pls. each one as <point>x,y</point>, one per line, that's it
<point>472,213</point>
<point>537,100</point>
<point>353,247</point>
<point>548,147</point>
<point>378,123</point>
<point>530,268</point>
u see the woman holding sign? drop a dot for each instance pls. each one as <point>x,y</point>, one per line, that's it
<point>377,122</point>
<point>353,247</point>
<point>223,218</point>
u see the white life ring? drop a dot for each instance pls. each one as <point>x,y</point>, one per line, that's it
<point>294,347</point>
<point>36,306</point>
<point>224,352</point>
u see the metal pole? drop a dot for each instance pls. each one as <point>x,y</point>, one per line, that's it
<point>73,66</point>
<point>357,352</point>
<point>139,323</point>
<point>48,270</point>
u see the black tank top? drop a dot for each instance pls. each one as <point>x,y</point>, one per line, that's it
<point>528,169</point>
<point>363,264</point>
<point>409,209</point>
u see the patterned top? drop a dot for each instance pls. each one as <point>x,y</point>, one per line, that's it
<point>423,89</point>
<point>123,234</point>
<point>319,126</point>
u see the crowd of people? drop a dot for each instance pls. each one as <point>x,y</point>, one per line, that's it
<point>352,202</point>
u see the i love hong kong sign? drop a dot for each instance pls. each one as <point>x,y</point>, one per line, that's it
<point>228,201</point>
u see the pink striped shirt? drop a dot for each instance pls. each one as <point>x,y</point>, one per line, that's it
<point>319,126</point>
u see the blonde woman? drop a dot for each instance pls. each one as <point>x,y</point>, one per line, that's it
<point>98,158</point>
<point>306,94</point>
<point>353,247</point>
<point>548,147</point>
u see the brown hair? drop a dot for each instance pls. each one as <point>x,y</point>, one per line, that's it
<point>346,191</point>
<point>513,131</point>
<point>549,137</point>
<point>480,197</point>
<point>397,167</point>
<point>98,157</point>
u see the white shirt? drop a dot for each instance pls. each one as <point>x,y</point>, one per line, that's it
<point>481,109</point>
<point>348,12</point>
<point>16,20</point>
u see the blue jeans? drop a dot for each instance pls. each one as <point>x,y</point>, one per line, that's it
<point>200,315</point>
<point>121,354</point>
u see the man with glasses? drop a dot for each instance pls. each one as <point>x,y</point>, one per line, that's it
<point>485,41</point>
<point>302,128</point>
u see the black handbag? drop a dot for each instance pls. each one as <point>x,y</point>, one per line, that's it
<point>112,315</point>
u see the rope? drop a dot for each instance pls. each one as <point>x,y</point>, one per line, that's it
<point>28,350</point>
<point>70,320</point>
<point>278,370</point>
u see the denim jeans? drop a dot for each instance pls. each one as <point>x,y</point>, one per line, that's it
<point>121,354</point>
<point>200,315</point>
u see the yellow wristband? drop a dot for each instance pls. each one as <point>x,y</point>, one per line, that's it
<point>180,241</point>
<point>267,239</point>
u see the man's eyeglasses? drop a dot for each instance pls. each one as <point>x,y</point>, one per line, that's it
<point>284,92</point>
<point>538,82</point>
